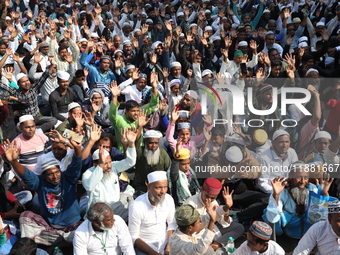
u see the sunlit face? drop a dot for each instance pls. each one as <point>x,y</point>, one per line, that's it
<point>176,89</point>
<point>28,129</point>
<point>184,165</point>
<point>52,175</point>
<point>184,134</point>
<point>282,144</point>
<point>132,114</point>
<point>152,144</point>
<point>24,83</point>
<point>141,84</point>
<point>97,99</point>
<point>254,246</point>
<point>176,71</point>
<point>334,220</point>
<point>158,189</point>
<point>276,70</point>
<point>321,144</point>
<point>299,178</point>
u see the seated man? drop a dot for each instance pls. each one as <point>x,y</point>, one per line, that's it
<point>324,235</point>
<point>151,217</point>
<point>287,205</point>
<point>102,224</point>
<point>185,240</point>
<point>76,121</point>
<point>149,158</point>
<point>224,227</point>
<point>61,151</point>
<point>279,156</point>
<point>130,117</point>
<point>32,144</point>
<point>98,110</point>
<point>62,96</point>
<point>59,207</point>
<point>258,240</point>
<point>101,181</point>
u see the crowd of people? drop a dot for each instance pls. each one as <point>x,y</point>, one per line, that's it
<point>169,127</point>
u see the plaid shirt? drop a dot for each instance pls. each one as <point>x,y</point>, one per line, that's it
<point>31,98</point>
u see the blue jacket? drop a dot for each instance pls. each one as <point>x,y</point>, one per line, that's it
<point>94,72</point>
<point>59,203</point>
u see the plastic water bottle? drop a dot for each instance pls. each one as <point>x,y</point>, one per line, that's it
<point>235,219</point>
<point>57,251</point>
<point>230,245</point>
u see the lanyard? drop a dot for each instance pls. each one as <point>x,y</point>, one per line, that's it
<point>101,241</point>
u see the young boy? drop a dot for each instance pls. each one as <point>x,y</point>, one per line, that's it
<point>184,241</point>
<point>258,241</point>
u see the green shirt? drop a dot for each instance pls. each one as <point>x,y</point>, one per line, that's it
<point>120,122</point>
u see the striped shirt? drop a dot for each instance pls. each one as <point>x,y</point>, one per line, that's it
<point>31,149</point>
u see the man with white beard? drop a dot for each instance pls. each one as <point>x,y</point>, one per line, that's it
<point>149,158</point>
<point>101,181</point>
<point>152,217</point>
<point>102,224</point>
<point>287,206</point>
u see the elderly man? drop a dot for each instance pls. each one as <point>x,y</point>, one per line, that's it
<point>150,158</point>
<point>98,110</point>
<point>324,235</point>
<point>176,72</point>
<point>287,205</point>
<point>224,226</point>
<point>152,217</point>
<point>269,40</point>
<point>276,160</point>
<point>102,224</point>
<point>62,96</point>
<point>32,144</point>
<point>28,93</point>
<point>131,116</point>
<point>101,181</point>
<point>59,208</point>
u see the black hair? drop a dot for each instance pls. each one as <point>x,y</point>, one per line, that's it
<point>3,43</point>
<point>275,63</point>
<point>79,73</point>
<point>218,130</point>
<point>25,246</point>
<point>106,136</point>
<point>131,104</point>
<point>259,240</point>
<point>184,228</point>
<point>62,48</point>
<point>271,50</point>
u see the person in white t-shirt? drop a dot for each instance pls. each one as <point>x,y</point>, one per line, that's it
<point>258,241</point>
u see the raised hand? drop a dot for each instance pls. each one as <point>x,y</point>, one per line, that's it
<point>95,132</point>
<point>278,185</point>
<point>9,72</point>
<point>174,115</point>
<point>227,42</point>
<point>11,150</point>
<point>207,134</point>
<point>115,90</point>
<point>153,58</point>
<point>131,135</point>
<point>211,211</point>
<point>69,58</point>
<point>55,136</point>
<point>162,105</point>
<point>142,118</point>
<point>325,182</point>
<point>207,119</point>
<point>168,25</point>
<point>179,145</point>
<point>88,120</point>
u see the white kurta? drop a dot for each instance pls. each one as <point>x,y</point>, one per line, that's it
<point>151,223</point>
<point>273,249</point>
<point>321,235</point>
<point>107,190</point>
<point>182,244</point>
<point>117,240</point>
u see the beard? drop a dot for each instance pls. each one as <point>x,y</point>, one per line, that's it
<point>107,176</point>
<point>152,157</point>
<point>102,227</point>
<point>299,196</point>
<point>157,201</point>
